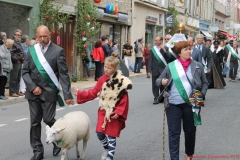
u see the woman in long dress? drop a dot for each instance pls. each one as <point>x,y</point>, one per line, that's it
<point>217,57</point>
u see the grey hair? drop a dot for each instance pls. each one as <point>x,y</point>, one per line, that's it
<point>24,38</point>
<point>17,30</point>
<point>199,35</point>
<point>169,35</point>
<point>8,41</point>
<point>2,34</point>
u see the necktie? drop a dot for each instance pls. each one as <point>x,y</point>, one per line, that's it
<point>42,49</point>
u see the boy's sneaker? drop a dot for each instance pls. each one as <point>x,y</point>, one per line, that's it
<point>104,155</point>
<point>108,158</point>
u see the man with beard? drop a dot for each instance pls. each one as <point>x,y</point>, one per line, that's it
<point>17,57</point>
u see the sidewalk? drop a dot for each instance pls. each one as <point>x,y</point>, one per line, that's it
<point>79,84</point>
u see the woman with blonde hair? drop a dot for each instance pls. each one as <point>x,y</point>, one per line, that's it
<point>186,82</point>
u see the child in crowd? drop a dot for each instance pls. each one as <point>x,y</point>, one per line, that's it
<point>108,130</point>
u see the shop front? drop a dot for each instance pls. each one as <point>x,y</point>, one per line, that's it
<point>204,29</point>
<point>192,27</point>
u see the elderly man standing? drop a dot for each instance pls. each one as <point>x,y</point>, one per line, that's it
<point>196,53</point>
<point>45,64</point>
<point>167,38</point>
<point>3,37</point>
<point>17,56</point>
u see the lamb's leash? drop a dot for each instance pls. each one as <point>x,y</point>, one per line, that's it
<point>163,134</point>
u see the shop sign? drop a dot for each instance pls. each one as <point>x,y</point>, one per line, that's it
<point>193,22</point>
<point>151,19</point>
<point>169,20</point>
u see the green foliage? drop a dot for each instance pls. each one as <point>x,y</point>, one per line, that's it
<point>174,29</point>
<point>87,26</point>
<point>51,15</point>
<point>74,78</point>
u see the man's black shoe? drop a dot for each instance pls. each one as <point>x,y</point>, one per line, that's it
<point>155,101</point>
<point>37,157</point>
<point>224,76</point>
<point>56,150</point>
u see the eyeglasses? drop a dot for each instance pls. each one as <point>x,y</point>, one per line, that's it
<point>19,35</point>
<point>167,39</point>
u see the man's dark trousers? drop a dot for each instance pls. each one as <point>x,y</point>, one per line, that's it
<point>39,110</point>
<point>15,77</point>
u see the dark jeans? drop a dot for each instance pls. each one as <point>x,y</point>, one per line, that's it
<point>175,115</point>
<point>99,69</point>
<point>15,77</point>
<point>138,64</point>
<point>233,70</point>
<point>40,110</point>
<point>87,69</point>
<point>3,82</point>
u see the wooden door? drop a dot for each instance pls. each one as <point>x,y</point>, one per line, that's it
<point>66,36</point>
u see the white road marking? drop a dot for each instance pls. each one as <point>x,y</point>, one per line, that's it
<point>1,125</point>
<point>21,119</point>
<point>59,109</point>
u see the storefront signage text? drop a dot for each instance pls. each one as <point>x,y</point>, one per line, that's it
<point>193,22</point>
<point>151,19</point>
<point>169,20</point>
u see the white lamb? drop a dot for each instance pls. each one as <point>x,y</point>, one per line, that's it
<point>68,130</point>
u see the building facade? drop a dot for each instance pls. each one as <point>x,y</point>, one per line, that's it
<point>148,19</point>
<point>20,14</point>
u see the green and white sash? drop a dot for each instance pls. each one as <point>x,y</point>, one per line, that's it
<point>233,53</point>
<point>159,56</point>
<point>184,88</point>
<point>45,70</point>
<point>171,53</point>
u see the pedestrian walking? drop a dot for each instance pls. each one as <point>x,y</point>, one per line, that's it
<point>108,132</point>
<point>44,66</point>
<point>146,54</point>
<point>5,65</point>
<point>182,78</point>
<point>17,56</point>
<point>196,53</point>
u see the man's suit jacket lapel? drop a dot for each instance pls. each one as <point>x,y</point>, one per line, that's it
<point>193,67</point>
<point>48,53</point>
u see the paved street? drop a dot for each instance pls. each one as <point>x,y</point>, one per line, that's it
<point>142,137</point>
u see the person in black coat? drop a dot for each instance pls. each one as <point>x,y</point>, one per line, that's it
<point>155,67</point>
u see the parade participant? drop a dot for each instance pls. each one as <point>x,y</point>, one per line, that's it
<point>180,78</point>
<point>158,60</point>
<point>232,62</point>
<point>217,80</point>
<point>206,53</point>
<point>107,135</point>
<point>5,65</point>
<point>208,43</point>
<point>167,38</point>
<point>196,53</point>
<point>3,37</point>
<point>44,66</point>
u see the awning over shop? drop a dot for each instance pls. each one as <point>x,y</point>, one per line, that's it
<point>229,36</point>
<point>206,34</point>
<point>190,29</point>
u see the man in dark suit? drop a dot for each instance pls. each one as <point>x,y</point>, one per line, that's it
<point>41,97</point>
<point>156,67</point>
<point>206,55</point>
<point>196,53</point>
